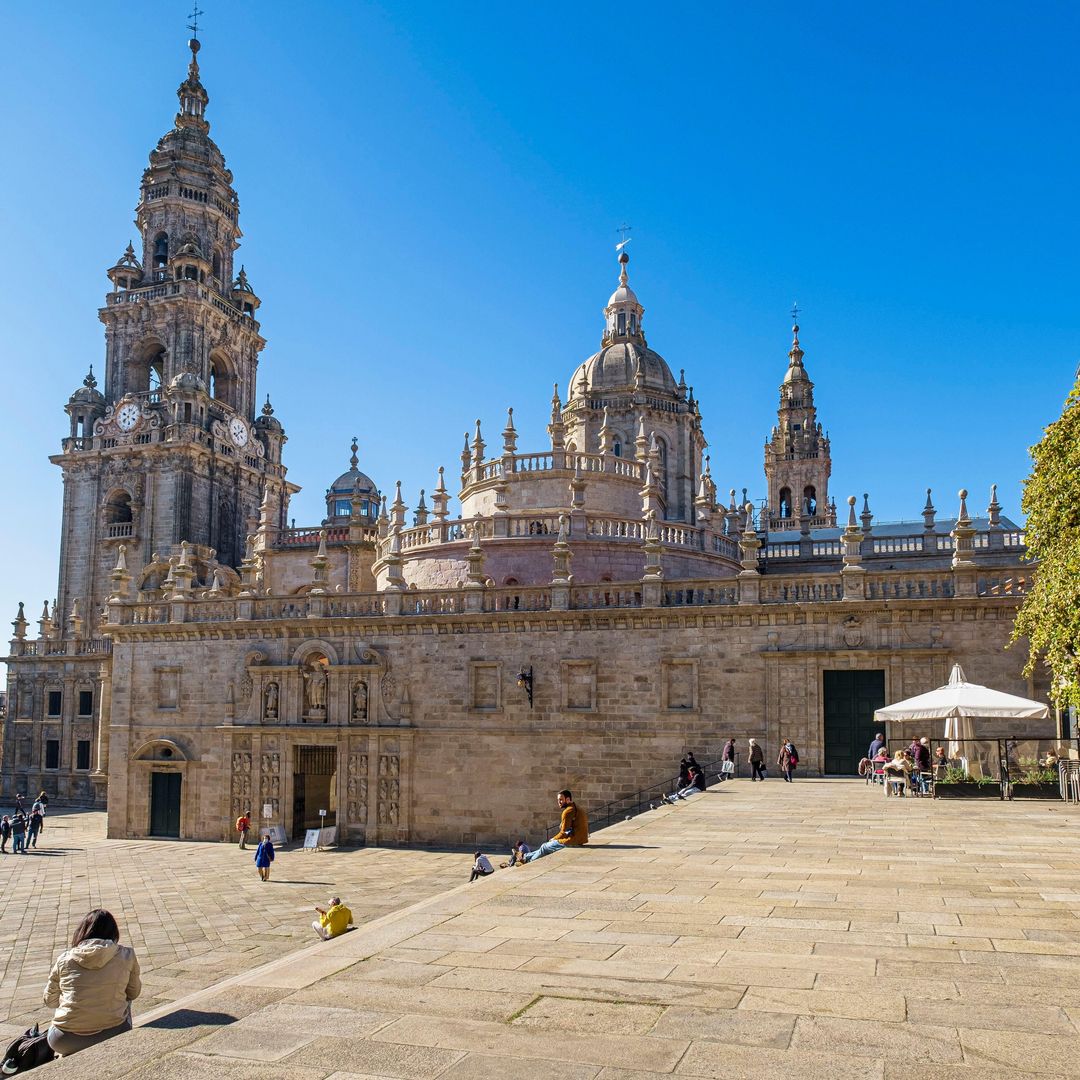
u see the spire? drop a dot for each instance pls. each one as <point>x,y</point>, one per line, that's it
<point>623,312</point>
<point>193,96</point>
<point>354,460</point>
<point>795,372</point>
<point>509,433</point>
<point>268,409</point>
<point>90,382</point>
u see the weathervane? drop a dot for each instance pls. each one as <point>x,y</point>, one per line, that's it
<point>795,313</point>
<point>193,26</point>
<point>623,231</point>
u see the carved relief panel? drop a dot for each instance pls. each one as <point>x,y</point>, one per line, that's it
<point>241,777</point>
<point>356,787</point>
<point>270,780</point>
<point>389,784</point>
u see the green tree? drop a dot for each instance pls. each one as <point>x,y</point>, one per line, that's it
<point>1050,615</point>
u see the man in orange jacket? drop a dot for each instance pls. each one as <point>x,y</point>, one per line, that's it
<point>573,829</point>
<point>243,824</point>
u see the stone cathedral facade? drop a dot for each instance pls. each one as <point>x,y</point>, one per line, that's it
<point>590,610</point>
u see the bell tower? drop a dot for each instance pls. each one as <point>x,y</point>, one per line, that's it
<point>798,462</point>
<point>168,449</point>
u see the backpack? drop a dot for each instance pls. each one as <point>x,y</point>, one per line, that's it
<point>27,1052</point>
<point>865,766</point>
<point>793,754</point>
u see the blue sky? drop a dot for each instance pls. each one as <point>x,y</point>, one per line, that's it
<point>430,193</point>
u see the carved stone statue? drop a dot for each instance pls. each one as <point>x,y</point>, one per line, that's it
<point>271,709</point>
<point>315,688</point>
<point>360,701</point>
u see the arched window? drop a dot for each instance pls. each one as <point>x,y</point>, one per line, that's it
<point>785,502</point>
<point>118,508</point>
<point>146,368</point>
<point>161,250</point>
<point>810,500</point>
<point>222,380</point>
<point>217,264</point>
<point>618,448</point>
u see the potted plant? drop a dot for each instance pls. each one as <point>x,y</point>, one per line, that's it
<point>1035,782</point>
<point>956,784</point>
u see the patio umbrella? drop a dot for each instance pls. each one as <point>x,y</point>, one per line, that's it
<point>960,704</point>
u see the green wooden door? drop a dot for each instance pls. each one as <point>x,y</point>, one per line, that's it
<point>165,803</point>
<point>850,699</point>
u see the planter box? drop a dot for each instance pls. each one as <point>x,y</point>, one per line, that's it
<point>967,791</point>
<point>1036,791</point>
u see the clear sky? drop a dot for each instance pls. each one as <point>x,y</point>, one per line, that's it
<point>430,192</point>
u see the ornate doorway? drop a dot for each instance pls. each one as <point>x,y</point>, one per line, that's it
<point>314,788</point>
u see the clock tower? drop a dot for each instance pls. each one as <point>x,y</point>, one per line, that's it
<point>170,447</point>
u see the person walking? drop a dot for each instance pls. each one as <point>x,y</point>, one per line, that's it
<point>18,833</point>
<point>787,759</point>
<point>757,761</point>
<point>43,798</point>
<point>19,802</point>
<point>243,825</point>
<point>875,746</point>
<point>727,762</point>
<point>91,986</point>
<point>34,827</point>
<point>264,856</point>
<point>5,833</point>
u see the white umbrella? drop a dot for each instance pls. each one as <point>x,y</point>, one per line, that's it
<point>960,703</point>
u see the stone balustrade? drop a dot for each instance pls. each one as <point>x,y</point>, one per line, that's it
<point>765,589</point>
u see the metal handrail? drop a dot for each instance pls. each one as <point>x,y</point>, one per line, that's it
<point>640,801</point>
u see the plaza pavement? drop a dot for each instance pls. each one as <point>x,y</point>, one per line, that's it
<point>810,930</point>
<point>194,912</point>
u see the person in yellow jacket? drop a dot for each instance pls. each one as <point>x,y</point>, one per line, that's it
<point>573,829</point>
<point>333,920</point>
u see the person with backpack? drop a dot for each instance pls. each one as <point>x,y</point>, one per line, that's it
<point>787,759</point>
<point>243,825</point>
<point>91,986</point>
<point>33,828</point>
<point>264,856</point>
<point>5,833</point>
<point>757,761</point>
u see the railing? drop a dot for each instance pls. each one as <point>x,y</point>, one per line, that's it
<point>909,587</point>
<point>765,589</point>
<point>309,537</point>
<point>609,528</point>
<point>629,806</point>
<point>119,529</point>
<point>781,551</point>
<point>895,545</point>
<point>61,647</point>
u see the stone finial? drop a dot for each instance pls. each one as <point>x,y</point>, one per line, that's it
<point>963,514</point>
<point>682,382</point>
<point>397,508</point>
<point>509,433</point>
<point>556,427</point>
<point>641,443</point>
<point>383,515</point>
<point>19,623</point>
<point>320,565</point>
<point>354,460</point>
<point>90,382</point>
<point>421,515</point>
<point>478,445</point>
<point>607,436</point>
<point>45,624</point>
<point>577,487</point>
<point>466,456</point>
<point>928,513</point>
<point>440,499</point>
<point>475,558</point>
<point>556,406</point>
<point>866,517</point>
<point>852,524</point>
<point>267,409</point>
<point>561,555</point>
<point>731,506</point>
<point>75,621</point>
<point>993,511</point>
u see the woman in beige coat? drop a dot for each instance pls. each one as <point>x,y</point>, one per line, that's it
<point>91,986</point>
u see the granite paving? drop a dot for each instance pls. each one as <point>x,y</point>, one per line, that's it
<point>755,930</point>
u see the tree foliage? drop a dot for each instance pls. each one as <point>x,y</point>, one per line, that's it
<point>1050,615</point>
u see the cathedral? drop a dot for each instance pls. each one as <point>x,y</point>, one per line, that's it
<point>589,609</point>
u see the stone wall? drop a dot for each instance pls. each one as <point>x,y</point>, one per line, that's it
<point>619,695</point>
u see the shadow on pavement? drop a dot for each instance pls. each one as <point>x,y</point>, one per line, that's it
<point>188,1018</point>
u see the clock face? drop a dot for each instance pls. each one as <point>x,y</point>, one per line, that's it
<point>238,431</point>
<point>128,416</point>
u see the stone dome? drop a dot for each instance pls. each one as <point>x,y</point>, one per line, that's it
<point>88,393</point>
<point>615,366</point>
<point>187,381</point>
<point>346,483</point>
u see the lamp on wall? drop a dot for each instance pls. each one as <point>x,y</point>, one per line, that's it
<point>525,682</point>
